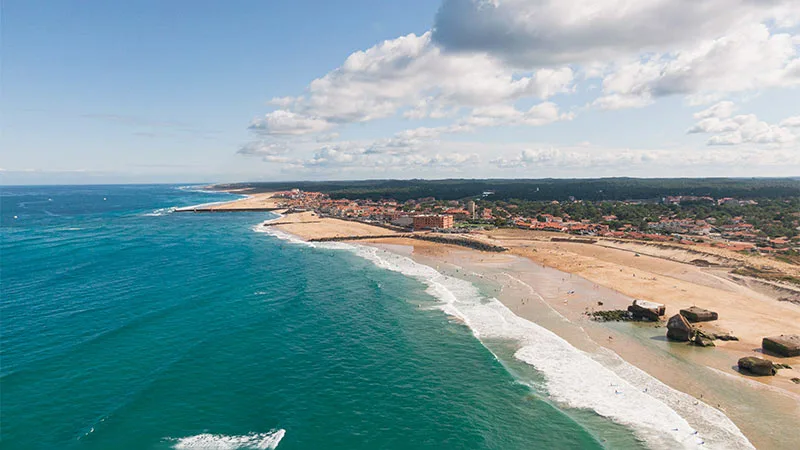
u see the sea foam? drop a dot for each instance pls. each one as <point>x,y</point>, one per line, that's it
<point>601,382</point>
<point>160,212</point>
<point>261,441</point>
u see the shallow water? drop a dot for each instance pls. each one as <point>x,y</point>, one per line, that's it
<point>126,325</point>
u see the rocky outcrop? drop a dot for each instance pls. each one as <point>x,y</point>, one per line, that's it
<point>694,314</point>
<point>701,339</point>
<point>614,315</point>
<point>756,366</point>
<point>783,345</point>
<point>679,329</point>
<point>724,337</point>
<point>641,309</point>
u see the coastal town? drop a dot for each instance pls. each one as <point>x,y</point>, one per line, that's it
<point>679,284</point>
<point>464,216</point>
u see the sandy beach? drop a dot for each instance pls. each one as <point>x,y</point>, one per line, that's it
<point>309,225</point>
<point>555,283</point>
<point>253,202</point>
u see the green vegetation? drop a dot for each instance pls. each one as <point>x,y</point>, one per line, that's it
<point>596,190</point>
<point>773,217</point>
<point>771,205</point>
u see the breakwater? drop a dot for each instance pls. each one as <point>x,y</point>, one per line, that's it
<point>460,241</point>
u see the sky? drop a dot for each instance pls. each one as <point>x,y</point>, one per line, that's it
<point>181,91</point>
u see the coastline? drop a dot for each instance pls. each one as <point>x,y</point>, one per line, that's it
<point>556,300</point>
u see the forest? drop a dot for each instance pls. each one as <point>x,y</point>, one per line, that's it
<point>595,190</point>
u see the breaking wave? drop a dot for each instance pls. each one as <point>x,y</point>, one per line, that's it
<point>160,212</point>
<point>261,441</point>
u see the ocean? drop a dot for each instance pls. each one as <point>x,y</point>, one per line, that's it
<point>126,325</point>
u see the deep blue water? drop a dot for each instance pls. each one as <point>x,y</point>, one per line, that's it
<point>126,326</point>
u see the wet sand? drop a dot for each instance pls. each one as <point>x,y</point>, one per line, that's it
<point>554,284</point>
<point>764,408</point>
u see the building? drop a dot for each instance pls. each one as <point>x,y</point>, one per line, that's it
<point>403,221</point>
<point>473,212</point>
<point>459,214</point>
<point>437,221</point>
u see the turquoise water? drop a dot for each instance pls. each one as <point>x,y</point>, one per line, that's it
<point>126,326</point>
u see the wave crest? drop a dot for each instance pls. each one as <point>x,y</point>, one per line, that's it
<point>261,441</point>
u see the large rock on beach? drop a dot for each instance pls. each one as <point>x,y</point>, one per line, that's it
<point>783,345</point>
<point>679,329</point>
<point>694,314</point>
<point>701,339</point>
<point>756,366</point>
<point>641,309</point>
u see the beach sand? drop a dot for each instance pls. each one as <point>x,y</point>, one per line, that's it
<point>309,225</point>
<point>555,283</point>
<point>265,201</point>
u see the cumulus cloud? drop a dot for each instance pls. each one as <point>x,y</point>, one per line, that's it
<point>791,122</point>
<point>740,129</point>
<point>580,156</point>
<point>412,72</point>
<point>273,152</point>
<point>547,32</point>
<point>484,59</point>
<point>747,59</point>
<point>495,115</point>
<point>383,155</point>
<point>282,122</point>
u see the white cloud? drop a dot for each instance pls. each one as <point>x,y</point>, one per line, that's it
<point>412,72</point>
<point>272,152</point>
<point>721,110</point>
<point>747,59</point>
<point>791,122</point>
<point>496,115</point>
<point>282,122</point>
<point>485,58</point>
<point>741,129</point>
<point>546,32</point>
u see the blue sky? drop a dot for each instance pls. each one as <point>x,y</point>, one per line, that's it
<point>180,91</point>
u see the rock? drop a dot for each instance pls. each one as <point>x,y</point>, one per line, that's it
<point>679,329</point>
<point>756,366</point>
<point>796,380</point>
<point>783,345</point>
<point>694,314</point>
<point>701,339</point>
<point>641,309</point>
<point>781,366</point>
<point>614,315</point>
<point>724,337</point>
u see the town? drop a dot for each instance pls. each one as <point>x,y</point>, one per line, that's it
<point>693,220</point>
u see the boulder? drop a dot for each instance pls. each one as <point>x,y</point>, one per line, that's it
<point>724,337</point>
<point>694,314</point>
<point>641,309</point>
<point>756,366</point>
<point>783,345</point>
<point>701,339</point>
<point>679,329</point>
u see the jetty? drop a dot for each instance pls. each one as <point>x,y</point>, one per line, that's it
<point>460,241</point>
<point>226,208</point>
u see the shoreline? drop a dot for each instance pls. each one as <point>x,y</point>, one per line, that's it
<point>249,203</point>
<point>702,373</point>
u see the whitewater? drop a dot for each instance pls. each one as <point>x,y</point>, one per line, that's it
<point>604,383</point>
